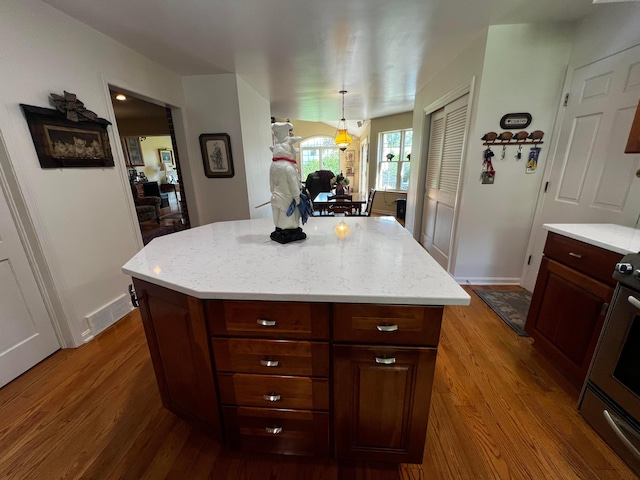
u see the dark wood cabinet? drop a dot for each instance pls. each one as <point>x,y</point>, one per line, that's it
<point>272,369</point>
<point>315,379</point>
<point>381,402</point>
<point>633,143</point>
<point>383,362</point>
<point>569,303</point>
<point>176,330</point>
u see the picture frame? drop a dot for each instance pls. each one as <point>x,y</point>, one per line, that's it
<point>62,143</point>
<point>166,156</point>
<point>133,151</point>
<point>216,155</point>
<point>350,156</point>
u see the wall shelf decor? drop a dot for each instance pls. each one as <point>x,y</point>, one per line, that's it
<point>64,143</point>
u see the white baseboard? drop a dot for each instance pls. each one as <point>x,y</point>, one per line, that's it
<point>487,280</point>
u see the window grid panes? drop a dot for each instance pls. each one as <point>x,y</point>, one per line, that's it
<point>319,153</point>
<point>394,160</point>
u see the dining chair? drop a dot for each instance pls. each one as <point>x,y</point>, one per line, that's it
<point>372,194</point>
<point>339,208</point>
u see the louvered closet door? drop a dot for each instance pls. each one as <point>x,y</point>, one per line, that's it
<point>444,158</point>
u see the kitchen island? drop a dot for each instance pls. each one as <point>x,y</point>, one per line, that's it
<point>322,347</point>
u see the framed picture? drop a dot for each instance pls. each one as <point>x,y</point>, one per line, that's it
<point>166,156</point>
<point>216,155</point>
<point>133,151</point>
<point>350,156</point>
<point>62,143</point>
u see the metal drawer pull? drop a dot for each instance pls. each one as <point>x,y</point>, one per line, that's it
<point>386,361</point>
<point>576,255</point>
<point>269,363</point>
<point>274,430</point>
<point>611,420</point>
<point>634,301</point>
<point>266,323</point>
<point>387,328</point>
<point>272,397</point>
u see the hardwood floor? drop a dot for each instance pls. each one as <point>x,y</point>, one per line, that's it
<point>499,411</point>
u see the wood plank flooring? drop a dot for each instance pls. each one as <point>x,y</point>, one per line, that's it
<point>499,411</point>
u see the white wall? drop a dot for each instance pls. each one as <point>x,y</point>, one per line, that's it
<point>461,71</point>
<point>524,69</point>
<point>611,28</point>
<point>255,120</point>
<point>83,219</point>
<point>212,106</point>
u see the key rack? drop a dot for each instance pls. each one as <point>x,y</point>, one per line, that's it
<point>516,142</point>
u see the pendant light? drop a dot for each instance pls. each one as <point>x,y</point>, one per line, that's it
<point>342,139</point>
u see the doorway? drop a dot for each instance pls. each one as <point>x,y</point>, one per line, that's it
<point>153,164</point>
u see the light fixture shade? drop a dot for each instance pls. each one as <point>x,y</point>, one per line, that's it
<point>343,139</point>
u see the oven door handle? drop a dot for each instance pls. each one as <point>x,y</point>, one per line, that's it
<point>634,301</point>
<point>615,424</point>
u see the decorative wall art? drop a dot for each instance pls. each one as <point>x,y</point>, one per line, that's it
<point>216,155</point>
<point>166,156</point>
<point>62,143</point>
<point>350,156</point>
<point>132,151</point>
<point>69,136</point>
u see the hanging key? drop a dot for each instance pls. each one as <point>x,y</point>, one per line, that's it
<point>504,152</point>
<point>519,153</point>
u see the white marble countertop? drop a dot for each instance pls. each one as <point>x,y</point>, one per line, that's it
<point>378,262</point>
<point>616,238</point>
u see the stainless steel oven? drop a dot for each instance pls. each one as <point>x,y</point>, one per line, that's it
<point>610,400</point>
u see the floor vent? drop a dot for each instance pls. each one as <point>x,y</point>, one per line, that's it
<point>109,314</point>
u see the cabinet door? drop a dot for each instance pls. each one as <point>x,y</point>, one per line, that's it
<point>381,402</point>
<point>566,316</point>
<point>176,333</point>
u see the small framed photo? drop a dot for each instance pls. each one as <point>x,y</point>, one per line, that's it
<point>216,155</point>
<point>350,156</point>
<point>166,156</point>
<point>133,151</point>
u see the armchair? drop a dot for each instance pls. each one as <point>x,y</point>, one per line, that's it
<point>147,208</point>
<point>318,181</point>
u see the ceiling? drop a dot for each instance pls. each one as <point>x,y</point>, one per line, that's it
<point>301,53</point>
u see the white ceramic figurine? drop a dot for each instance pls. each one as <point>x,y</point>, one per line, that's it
<point>284,179</point>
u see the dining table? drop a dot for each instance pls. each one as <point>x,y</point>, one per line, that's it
<point>324,202</point>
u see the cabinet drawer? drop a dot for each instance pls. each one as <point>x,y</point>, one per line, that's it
<point>387,324</point>
<point>284,432</point>
<point>596,262</point>
<point>269,319</point>
<point>271,357</point>
<point>270,391</point>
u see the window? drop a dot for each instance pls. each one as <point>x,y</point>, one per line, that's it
<point>319,153</point>
<point>393,160</point>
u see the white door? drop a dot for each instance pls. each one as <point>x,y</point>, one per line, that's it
<point>364,167</point>
<point>444,158</point>
<point>592,180</point>
<point>26,332</point>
